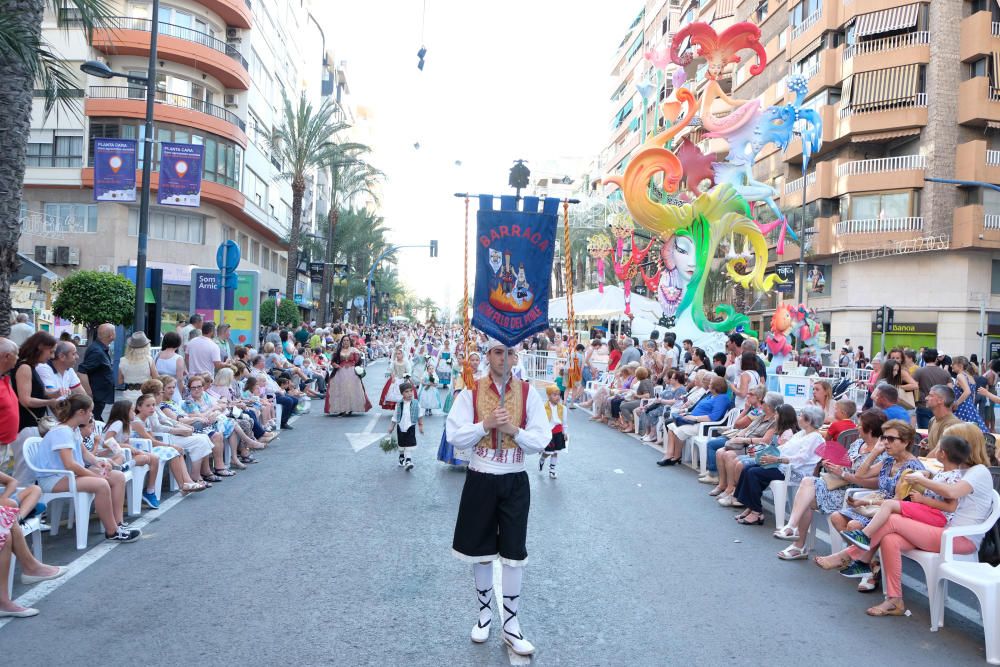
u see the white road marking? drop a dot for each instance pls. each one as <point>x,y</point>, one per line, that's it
<point>619,471</point>
<point>40,591</point>
<point>361,440</point>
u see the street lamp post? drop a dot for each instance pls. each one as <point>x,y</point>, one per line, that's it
<point>99,69</point>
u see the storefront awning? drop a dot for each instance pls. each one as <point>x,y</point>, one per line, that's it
<point>885,87</point>
<point>887,20</point>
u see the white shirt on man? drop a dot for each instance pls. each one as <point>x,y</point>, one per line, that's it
<point>202,353</point>
<point>53,381</point>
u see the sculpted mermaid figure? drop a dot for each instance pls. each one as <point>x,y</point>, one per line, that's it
<point>720,51</point>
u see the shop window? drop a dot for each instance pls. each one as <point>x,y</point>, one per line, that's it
<point>71,218</point>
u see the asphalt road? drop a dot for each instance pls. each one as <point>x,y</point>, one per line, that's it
<point>323,555</point>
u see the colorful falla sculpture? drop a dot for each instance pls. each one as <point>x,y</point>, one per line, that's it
<point>712,208</point>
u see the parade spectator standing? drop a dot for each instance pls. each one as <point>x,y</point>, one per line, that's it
<point>194,322</point>
<point>58,375</point>
<point>224,342</point>
<point>302,334</point>
<point>21,330</point>
<point>31,397</point>
<point>203,353</point>
<point>630,353</point>
<point>9,420</point>
<point>273,337</point>
<point>169,362</point>
<point>136,366</point>
<point>97,371</point>
<point>927,376</point>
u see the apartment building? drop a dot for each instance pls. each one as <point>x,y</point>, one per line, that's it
<point>901,103</point>
<point>222,68</point>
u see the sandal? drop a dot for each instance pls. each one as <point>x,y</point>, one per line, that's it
<point>787,533</point>
<point>191,487</point>
<point>887,608</point>
<point>249,459</point>
<point>236,463</point>
<point>224,472</point>
<point>792,552</point>
<point>832,563</point>
<point>871,581</point>
<point>210,478</point>
<point>759,521</point>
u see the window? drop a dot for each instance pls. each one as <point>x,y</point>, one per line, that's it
<point>782,40</point>
<point>260,76</point>
<point>244,244</point>
<point>169,226</point>
<point>258,132</point>
<point>276,262</point>
<point>265,257</point>
<point>760,13</point>
<point>878,206</point>
<point>634,49</point>
<point>978,67</point>
<point>255,188</point>
<point>995,277</point>
<point>804,10</point>
<point>623,114</point>
<point>71,218</point>
<point>57,152</point>
<point>254,251</point>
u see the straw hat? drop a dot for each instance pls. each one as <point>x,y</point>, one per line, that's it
<point>137,340</point>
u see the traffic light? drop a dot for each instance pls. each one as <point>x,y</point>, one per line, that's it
<point>434,248</point>
<point>890,315</point>
<point>880,318</point>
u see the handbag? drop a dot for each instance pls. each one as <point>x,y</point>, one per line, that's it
<point>869,511</point>
<point>769,450</point>
<point>832,481</point>
<point>907,400</point>
<point>44,424</point>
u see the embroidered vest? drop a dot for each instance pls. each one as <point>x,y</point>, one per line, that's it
<point>558,428</point>
<point>414,411</point>
<point>486,399</point>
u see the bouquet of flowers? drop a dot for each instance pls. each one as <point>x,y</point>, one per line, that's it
<point>360,371</point>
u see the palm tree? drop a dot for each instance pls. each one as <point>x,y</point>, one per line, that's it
<point>429,307</point>
<point>302,143</point>
<point>350,176</point>
<point>28,62</point>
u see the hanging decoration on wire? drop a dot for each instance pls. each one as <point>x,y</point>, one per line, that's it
<point>599,247</point>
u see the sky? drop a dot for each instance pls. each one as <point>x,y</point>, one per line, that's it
<point>502,81</point>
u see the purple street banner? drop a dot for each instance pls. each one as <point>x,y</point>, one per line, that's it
<point>180,174</point>
<point>514,252</point>
<point>114,170</point>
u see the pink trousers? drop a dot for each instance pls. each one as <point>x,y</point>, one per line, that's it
<point>895,537</point>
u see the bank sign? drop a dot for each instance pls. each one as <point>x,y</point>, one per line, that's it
<point>242,305</point>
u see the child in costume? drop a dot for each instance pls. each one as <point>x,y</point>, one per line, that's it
<point>406,419</point>
<point>446,453</point>
<point>429,399</point>
<point>554,412</point>
<point>398,372</point>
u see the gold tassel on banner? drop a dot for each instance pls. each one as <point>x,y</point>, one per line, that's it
<point>468,373</point>
<point>575,373</point>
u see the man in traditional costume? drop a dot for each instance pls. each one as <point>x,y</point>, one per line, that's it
<point>502,419</point>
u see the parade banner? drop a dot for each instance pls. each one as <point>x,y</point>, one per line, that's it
<point>242,303</point>
<point>180,174</point>
<point>114,170</point>
<point>514,252</point>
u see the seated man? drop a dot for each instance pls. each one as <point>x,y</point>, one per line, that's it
<point>885,398</point>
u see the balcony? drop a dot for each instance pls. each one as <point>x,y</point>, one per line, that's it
<point>879,226</point>
<point>820,185</point>
<point>236,13</point>
<point>130,102</point>
<point>827,17</point>
<point>124,35</point>
<point>974,162</point>
<point>978,102</point>
<point>911,47</point>
<point>825,72</point>
<point>890,115</point>
<point>980,36</point>
<point>904,171</point>
<point>975,228</point>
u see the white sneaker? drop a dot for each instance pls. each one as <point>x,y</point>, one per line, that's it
<point>647,438</point>
<point>409,465</point>
<point>709,479</point>
<point>552,474</point>
<point>723,499</point>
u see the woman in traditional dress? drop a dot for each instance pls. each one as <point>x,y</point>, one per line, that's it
<point>346,392</point>
<point>446,453</point>
<point>399,370</point>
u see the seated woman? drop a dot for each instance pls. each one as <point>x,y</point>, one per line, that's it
<point>711,409</point>
<point>254,396</point>
<point>814,493</point>
<point>674,393</point>
<point>731,462</point>
<point>760,431</point>
<point>893,450</point>
<point>187,434</point>
<point>62,449</point>
<point>643,389</point>
<point>201,406</point>
<point>119,430</point>
<point>823,399</point>
<point>799,453</point>
<point>974,492</point>
<point>227,397</point>
<point>602,397</point>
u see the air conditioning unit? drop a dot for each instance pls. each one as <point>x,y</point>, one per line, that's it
<point>229,100</point>
<point>42,254</point>
<point>233,35</point>
<point>74,256</point>
<point>62,255</point>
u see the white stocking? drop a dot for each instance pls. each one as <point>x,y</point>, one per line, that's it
<point>552,465</point>
<point>511,582</point>
<point>483,573</point>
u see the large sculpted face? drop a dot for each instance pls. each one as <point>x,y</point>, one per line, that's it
<point>682,254</point>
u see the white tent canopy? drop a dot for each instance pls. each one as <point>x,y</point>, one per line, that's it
<point>593,305</point>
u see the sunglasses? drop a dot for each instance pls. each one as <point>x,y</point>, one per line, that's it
<point>196,386</point>
<point>890,439</point>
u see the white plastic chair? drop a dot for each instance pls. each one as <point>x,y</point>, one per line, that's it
<point>779,492</point>
<point>147,446</point>
<point>136,479</point>
<point>707,431</point>
<point>79,501</point>
<point>965,570</point>
<point>836,540</point>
